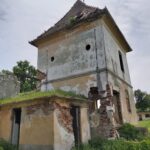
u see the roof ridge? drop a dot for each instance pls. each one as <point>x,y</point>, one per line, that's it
<point>79,11</point>
<point>78,2</point>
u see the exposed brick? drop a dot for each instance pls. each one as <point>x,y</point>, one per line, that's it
<point>64,117</point>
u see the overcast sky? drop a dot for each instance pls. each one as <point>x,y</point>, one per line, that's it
<point>23,20</point>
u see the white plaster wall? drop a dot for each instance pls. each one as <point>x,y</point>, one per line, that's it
<point>119,79</point>
<point>77,88</point>
<point>112,57</point>
<point>71,57</point>
<point>101,56</point>
<point>85,126</point>
<point>73,61</point>
<point>103,80</point>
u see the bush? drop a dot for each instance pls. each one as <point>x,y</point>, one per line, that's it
<point>143,131</point>
<point>120,144</point>
<point>6,146</point>
<point>130,132</point>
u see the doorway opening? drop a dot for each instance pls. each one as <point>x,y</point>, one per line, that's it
<point>140,118</point>
<point>117,105</point>
<point>16,126</point>
<point>75,112</point>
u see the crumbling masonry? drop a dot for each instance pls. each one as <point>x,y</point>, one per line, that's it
<point>9,86</point>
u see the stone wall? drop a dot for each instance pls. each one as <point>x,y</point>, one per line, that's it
<point>9,86</point>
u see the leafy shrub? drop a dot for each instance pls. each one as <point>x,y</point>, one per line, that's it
<point>130,132</point>
<point>6,146</point>
<point>143,131</point>
<point>120,144</point>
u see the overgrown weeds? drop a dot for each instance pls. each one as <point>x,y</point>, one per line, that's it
<point>6,146</point>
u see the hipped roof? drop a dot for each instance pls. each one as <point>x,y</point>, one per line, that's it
<point>80,12</point>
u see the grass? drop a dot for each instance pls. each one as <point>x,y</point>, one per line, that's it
<point>34,94</point>
<point>145,123</point>
<point>119,144</point>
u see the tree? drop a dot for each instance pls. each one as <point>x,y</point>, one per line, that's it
<point>142,100</point>
<point>26,74</point>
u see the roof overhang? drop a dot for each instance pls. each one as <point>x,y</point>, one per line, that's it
<point>104,14</point>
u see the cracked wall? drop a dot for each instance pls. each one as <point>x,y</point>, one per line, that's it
<point>37,121</point>
<point>64,137</point>
<point>72,62</point>
<point>45,124</point>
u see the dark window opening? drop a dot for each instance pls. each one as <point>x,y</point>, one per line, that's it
<point>95,99</point>
<point>88,47</point>
<point>117,106</point>
<point>75,112</point>
<point>128,101</point>
<point>17,113</point>
<point>147,115</point>
<point>94,90</point>
<point>121,61</point>
<point>52,58</point>
<point>140,118</point>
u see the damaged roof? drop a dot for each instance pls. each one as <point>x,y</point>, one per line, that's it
<point>80,12</point>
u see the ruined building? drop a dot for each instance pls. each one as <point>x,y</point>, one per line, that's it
<point>85,53</point>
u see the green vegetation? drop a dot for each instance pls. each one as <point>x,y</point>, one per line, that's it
<point>34,95</point>
<point>72,20</point>
<point>130,132</point>
<point>103,144</point>
<point>26,74</point>
<point>131,138</point>
<point>145,123</point>
<point>6,146</point>
<point>142,100</point>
